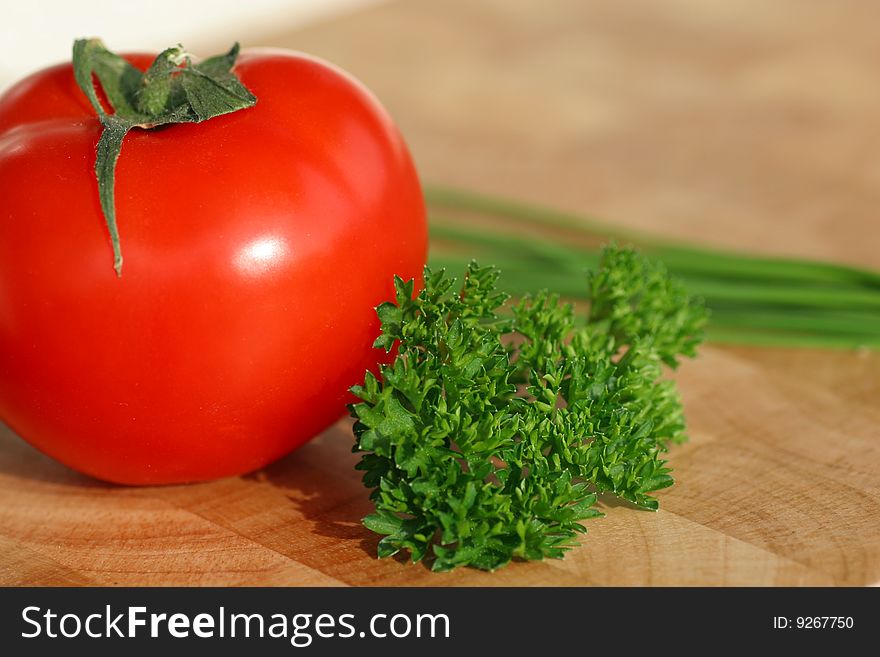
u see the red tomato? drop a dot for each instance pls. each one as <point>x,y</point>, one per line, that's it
<point>257,245</point>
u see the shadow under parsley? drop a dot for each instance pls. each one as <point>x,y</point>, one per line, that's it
<point>321,483</point>
<point>319,479</point>
<point>611,501</point>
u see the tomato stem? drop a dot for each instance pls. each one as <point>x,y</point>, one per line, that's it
<point>172,90</point>
<point>109,147</point>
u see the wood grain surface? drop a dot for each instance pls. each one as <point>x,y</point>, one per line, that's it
<point>749,125</point>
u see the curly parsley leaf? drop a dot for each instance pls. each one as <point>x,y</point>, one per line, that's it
<point>490,434</point>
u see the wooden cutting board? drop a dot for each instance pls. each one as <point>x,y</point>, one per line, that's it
<point>748,125</point>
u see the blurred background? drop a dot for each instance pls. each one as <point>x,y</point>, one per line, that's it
<point>752,125</point>
<point>40,33</point>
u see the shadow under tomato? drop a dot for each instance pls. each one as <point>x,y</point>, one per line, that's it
<point>19,460</point>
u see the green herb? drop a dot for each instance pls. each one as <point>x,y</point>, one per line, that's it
<point>172,90</point>
<point>753,299</point>
<point>490,434</point>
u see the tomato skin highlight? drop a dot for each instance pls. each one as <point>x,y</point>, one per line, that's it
<point>257,245</point>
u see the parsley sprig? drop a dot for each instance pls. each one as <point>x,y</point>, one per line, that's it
<point>490,434</point>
